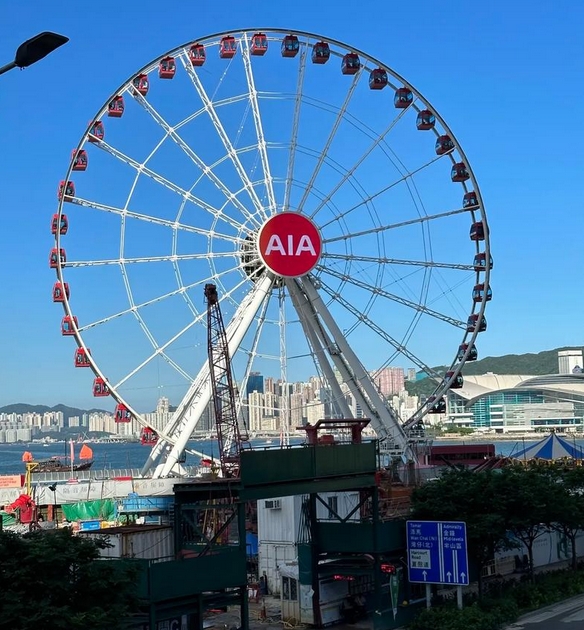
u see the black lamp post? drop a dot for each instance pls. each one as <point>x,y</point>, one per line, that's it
<point>34,49</point>
<point>53,489</point>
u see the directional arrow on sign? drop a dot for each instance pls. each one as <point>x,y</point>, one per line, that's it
<point>448,576</point>
<point>424,573</point>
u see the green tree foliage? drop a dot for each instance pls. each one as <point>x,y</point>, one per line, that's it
<point>52,580</point>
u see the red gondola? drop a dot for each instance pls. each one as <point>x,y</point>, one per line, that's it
<point>350,64</point>
<point>100,387</point>
<point>63,224</point>
<point>480,262</point>
<point>96,132</point>
<point>227,47</point>
<point>472,355</point>
<point>403,98</point>
<point>425,120</point>
<point>436,406</point>
<point>470,200</point>
<point>148,437</point>
<point>115,109</point>
<point>478,293</point>
<point>259,44</point>
<point>457,383</point>
<point>82,357</point>
<point>60,291</point>
<point>79,159</point>
<point>471,323</point>
<point>197,54</point>
<point>459,172</point>
<point>477,231</point>
<point>55,256</point>
<point>167,68</point>
<point>290,46</point>
<point>378,79</point>
<point>122,413</point>
<point>140,84</point>
<point>68,325</point>
<point>443,145</point>
<point>68,188</point>
<point>321,53</point>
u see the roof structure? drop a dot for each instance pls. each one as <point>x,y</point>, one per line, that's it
<point>551,447</point>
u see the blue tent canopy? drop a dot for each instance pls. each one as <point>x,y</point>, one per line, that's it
<point>551,447</point>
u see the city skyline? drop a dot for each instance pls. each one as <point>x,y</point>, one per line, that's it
<point>500,85</point>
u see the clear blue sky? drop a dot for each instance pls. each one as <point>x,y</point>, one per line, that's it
<point>507,77</point>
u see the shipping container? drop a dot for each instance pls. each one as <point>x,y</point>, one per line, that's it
<point>139,541</point>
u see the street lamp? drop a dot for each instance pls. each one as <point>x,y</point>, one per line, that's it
<point>34,49</point>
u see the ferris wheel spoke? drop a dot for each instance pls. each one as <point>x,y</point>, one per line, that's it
<point>206,170</point>
<point>231,152</point>
<point>143,169</point>
<point>396,261</point>
<point>349,173</point>
<point>129,214</point>
<point>376,328</point>
<point>159,350</point>
<point>149,259</point>
<point>333,132</point>
<point>253,100</point>
<point>295,121</point>
<point>392,226</point>
<point>375,290</point>
<point>404,178</point>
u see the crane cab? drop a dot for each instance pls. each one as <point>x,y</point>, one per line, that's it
<point>79,159</point>
<point>477,231</point>
<point>68,325</point>
<point>470,200</point>
<point>122,413</point>
<point>61,224</point>
<point>100,388</point>
<point>473,322</point>
<point>60,291</point>
<point>140,84</point>
<point>148,437</point>
<point>82,357</point>
<point>56,256</point>
<point>66,191</point>
<point>351,64</point>
<point>290,46</point>
<point>403,98</point>
<point>167,68</point>
<point>425,120</point>
<point>472,354</point>
<point>197,55</point>
<point>115,109</point>
<point>436,405</point>
<point>479,294</point>
<point>443,145</point>
<point>378,79</point>
<point>259,44</point>
<point>480,262</point>
<point>227,47</point>
<point>459,172</point>
<point>96,132</point>
<point>456,383</point>
<point>321,53</point>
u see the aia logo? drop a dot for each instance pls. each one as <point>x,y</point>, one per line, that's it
<point>289,244</point>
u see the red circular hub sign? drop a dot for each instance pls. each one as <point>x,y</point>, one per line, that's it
<point>289,244</point>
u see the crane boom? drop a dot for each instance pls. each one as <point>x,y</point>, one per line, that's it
<point>229,435</point>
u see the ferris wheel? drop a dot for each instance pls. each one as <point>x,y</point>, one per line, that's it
<point>320,192</point>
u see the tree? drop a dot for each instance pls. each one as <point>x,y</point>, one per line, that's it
<point>55,580</point>
<point>461,495</point>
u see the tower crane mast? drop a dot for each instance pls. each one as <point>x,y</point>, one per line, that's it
<point>229,436</point>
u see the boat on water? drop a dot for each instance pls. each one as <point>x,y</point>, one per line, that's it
<point>61,464</point>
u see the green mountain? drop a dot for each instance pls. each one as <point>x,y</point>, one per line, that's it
<point>545,362</point>
<point>67,411</point>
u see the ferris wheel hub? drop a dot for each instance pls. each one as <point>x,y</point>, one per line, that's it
<point>289,244</point>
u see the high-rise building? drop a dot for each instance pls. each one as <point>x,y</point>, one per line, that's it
<point>389,380</point>
<point>255,383</point>
<point>570,362</point>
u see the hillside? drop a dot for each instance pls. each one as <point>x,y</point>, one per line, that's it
<point>545,362</point>
<point>26,408</point>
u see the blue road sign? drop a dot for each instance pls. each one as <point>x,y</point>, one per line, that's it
<point>437,552</point>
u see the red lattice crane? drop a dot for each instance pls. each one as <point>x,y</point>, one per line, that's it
<point>230,438</point>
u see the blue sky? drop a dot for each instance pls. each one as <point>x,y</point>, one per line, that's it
<point>508,81</point>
